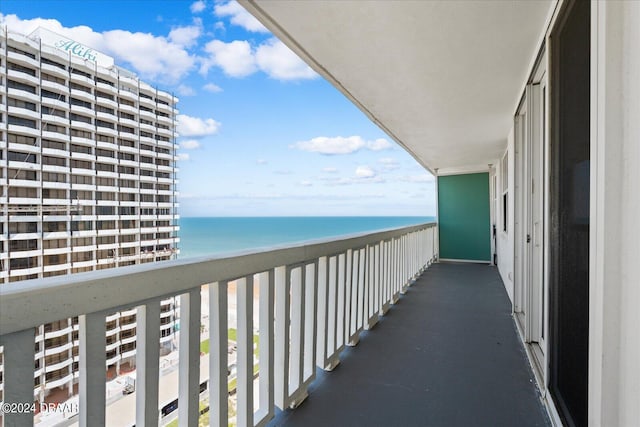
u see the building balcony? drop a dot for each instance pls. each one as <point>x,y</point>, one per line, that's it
<point>82,264</point>
<point>107,145</point>
<point>107,131</point>
<point>77,124</point>
<point>83,140</point>
<point>23,95</point>
<point>56,71</point>
<point>55,136</point>
<point>56,103</point>
<point>23,77</point>
<point>82,95</point>
<point>23,112</point>
<point>336,291</point>
<point>83,110</point>
<point>51,384</point>
<point>130,110</point>
<point>79,78</point>
<point>82,156</point>
<point>129,94</point>
<point>58,333</point>
<point>56,120</point>
<point>54,86</point>
<point>23,59</point>
<point>55,251</point>
<point>106,87</point>
<point>24,130</point>
<point>106,102</point>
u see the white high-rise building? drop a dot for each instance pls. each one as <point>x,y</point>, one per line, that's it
<point>88,182</point>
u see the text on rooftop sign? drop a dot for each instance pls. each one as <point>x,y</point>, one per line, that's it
<point>72,47</point>
<point>76,49</point>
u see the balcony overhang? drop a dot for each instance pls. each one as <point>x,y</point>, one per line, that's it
<point>442,78</point>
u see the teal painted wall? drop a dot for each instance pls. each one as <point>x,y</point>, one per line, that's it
<point>463,217</point>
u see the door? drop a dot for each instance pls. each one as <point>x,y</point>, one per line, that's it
<point>536,229</point>
<point>521,278</point>
<point>569,212</point>
<point>530,142</point>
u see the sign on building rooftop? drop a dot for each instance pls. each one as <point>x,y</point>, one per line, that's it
<point>71,47</point>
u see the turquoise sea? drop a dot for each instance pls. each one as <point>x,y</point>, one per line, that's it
<point>201,236</point>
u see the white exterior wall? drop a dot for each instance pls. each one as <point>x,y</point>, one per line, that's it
<point>614,357</point>
<point>505,239</point>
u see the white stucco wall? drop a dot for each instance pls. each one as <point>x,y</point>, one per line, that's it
<point>614,367</point>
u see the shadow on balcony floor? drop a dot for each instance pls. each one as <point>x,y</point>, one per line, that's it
<point>447,355</point>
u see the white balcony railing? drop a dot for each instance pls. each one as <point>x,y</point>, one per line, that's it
<point>314,299</point>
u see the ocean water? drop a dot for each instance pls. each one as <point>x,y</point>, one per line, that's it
<point>201,236</point>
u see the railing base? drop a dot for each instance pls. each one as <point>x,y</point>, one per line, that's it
<point>385,308</point>
<point>332,364</point>
<point>369,324</point>
<point>354,340</point>
<point>395,298</point>
<point>404,289</point>
<point>297,400</point>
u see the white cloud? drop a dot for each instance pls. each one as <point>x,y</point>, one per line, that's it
<point>279,62</point>
<point>261,162</point>
<point>365,172</point>
<point>339,145</point>
<point>330,169</point>
<point>212,87</point>
<point>239,16</point>
<point>389,163</point>
<point>331,145</point>
<point>239,58</point>
<point>186,36</point>
<point>183,156</point>
<point>154,57</point>
<point>185,90</point>
<point>306,183</point>
<point>196,127</point>
<point>424,177</point>
<point>190,144</point>
<point>235,58</point>
<point>197,6</point>
<point>379,145</point>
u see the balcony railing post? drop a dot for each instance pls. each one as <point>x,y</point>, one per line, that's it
<point>322,313</point>
<point>266,345</point>
<point>93,375</point>
<point>372,313</point>
<point>398,269</point>
<point>282,339</point>
<point>244,294</point>
<point>386,278</point>
<point>147,363</point>
<point>296,349</point>
<point>19,352</point>
<point>348,287</point>
<point>354,300</point>
<point>311,308</point>
<point>332,314</point>
<point>218,363</point>
<point>341,287</point>
<point>189,359</point>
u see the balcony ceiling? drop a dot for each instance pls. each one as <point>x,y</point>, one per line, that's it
<point>442,78</point>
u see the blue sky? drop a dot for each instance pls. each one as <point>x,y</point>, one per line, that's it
<point>261,134</point>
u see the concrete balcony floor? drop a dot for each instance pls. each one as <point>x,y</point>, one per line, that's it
<point>447,355</point>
